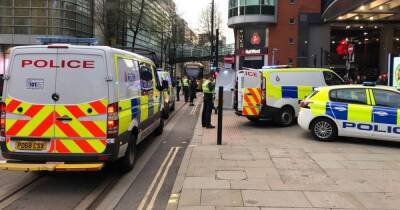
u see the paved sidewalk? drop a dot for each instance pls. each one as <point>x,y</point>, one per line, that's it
<point>261,167</point>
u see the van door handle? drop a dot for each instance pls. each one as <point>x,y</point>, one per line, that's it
<point>64,118</point>
<point>382,114</point>
<point>340,109</point>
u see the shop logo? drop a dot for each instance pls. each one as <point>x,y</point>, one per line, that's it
<point>255,39</point>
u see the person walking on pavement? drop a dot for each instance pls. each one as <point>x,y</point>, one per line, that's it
<point>193,88</point>
<point>208,91</point>
<point>178,88</point>
<point>185,83</point>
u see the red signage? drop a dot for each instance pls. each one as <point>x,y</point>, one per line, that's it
<point>73,64</point>
<point>255,39</point>
<point>230,59</point>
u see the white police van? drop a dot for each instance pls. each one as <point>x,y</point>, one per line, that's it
<point>80,106</point>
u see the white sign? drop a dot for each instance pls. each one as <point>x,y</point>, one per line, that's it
<point>253,51</point>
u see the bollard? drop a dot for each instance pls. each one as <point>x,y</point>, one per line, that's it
<point>220,109</point>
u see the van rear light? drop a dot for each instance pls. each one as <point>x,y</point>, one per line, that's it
<point>305,104</point>
<point>112,120</point>
<point>2,119</point>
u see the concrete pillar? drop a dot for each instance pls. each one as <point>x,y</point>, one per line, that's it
<point>386,46</point>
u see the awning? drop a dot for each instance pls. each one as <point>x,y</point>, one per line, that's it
<point>363,11</point>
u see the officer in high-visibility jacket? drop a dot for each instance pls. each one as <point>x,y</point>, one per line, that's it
<point>208,91</point>
<point>185,83</point>
<point>178,88</point>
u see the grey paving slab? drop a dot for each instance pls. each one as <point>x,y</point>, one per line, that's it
<point>379,200</point>
<point>221,198</point>
<point>190,197</point>
<point>231,175</point>
<point>251,184</point>
<point>205,183</point>
<point>275,198</point>
<point>196,208</point>
<point>295,164</point>
<point>333,200</point>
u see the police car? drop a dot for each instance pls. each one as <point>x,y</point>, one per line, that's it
<point>364,111</point>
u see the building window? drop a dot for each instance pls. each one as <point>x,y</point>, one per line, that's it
<point>291,21</point>
<point>290,61</point>
<point>292,1</point>
<point>291,41</point>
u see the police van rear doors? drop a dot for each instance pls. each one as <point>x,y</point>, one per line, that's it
<point>30,89</point>
<point>83,97</point>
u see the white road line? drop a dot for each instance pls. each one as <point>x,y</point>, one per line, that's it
<point>146,196</point>
<point>194,109</point>
<point>161,182</point>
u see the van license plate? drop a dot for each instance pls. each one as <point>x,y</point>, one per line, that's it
<point>31,145</point>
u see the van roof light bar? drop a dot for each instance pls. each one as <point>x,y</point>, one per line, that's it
<point>67,40</point>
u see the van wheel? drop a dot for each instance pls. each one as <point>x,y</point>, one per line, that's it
<point>324,129</point>
<point>127,162</point>
<point>286,116</point>
<point>160,128</point>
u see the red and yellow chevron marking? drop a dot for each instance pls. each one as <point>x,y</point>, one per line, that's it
<point>67,146</point>
<point>251,101</point>
<point>41,120</point>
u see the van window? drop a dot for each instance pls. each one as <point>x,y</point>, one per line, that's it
<point>387,98</point>
<point>129,79</point>
<point>84,82</point>
<point>332,78</point>
<point>351,96</point>
<point>146,76</point>
<point>300,78</point>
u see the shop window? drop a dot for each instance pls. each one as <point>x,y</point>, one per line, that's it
<point>39,3</point>
<point>39,30</point>
<point>6,3</point>
<point>22,30</point>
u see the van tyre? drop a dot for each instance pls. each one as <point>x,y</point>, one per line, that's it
<point>160,128</point>
<point>127,162</point>
<point>324,129</point>
<point>286,117</point>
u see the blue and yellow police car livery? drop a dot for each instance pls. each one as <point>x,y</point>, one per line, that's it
<point>363,111</point>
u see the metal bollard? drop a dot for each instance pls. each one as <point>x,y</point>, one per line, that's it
<point>220,110</point>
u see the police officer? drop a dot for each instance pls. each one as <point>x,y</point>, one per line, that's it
<point>178,88</point>
<point>208,90</point>
<point>185,83</point>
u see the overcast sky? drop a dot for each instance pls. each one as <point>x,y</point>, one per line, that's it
<point>190,10</point>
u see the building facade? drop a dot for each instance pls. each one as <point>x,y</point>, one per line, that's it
<point>310,33</point>
<point>22,21</point>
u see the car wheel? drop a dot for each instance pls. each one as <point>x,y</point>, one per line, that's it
<point>324,130</point>
<point>286,116</point>
<point>127,162</point>
<point>160,128</point>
